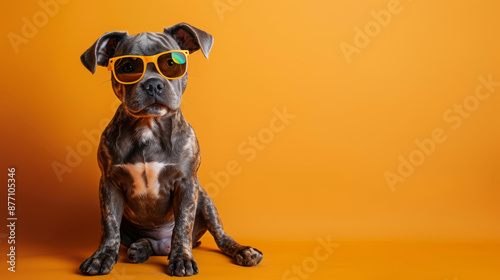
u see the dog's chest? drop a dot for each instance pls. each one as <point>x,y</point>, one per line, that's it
<point>145,177</point>
<point>150,161</point>
<point>146,163</point>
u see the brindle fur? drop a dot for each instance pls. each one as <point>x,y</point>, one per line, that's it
<point>139,135</point>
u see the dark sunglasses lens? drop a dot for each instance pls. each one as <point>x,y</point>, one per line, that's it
<point>129,69</point>
<point>173,65</point>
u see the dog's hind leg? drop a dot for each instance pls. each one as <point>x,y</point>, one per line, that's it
<point>207,217</point>
<point>140,251</point>
<point>143,243</point>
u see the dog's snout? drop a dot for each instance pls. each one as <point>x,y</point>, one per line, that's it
<point>154,86</point>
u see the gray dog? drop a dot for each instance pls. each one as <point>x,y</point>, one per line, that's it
<point>151,199</point>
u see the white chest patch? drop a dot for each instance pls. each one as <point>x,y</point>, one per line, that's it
<point>145,176</point>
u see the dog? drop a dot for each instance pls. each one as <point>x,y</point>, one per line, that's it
<point>150,197</point>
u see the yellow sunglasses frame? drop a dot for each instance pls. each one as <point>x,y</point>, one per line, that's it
<point>146,60</point>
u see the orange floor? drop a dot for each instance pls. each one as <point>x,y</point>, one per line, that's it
<point>294,260</point>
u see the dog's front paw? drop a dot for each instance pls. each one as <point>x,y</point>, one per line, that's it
<point>248,256</point>
<point>100,263</point>
<point>182,266</point>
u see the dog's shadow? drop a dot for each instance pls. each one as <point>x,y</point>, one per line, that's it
<point>78,256</point>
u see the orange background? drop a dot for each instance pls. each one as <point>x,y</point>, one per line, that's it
<point>322,175</point>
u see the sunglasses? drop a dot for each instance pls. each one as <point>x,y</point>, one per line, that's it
<point>130,69</point>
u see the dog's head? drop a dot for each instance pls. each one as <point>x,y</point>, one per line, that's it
<point>153,95</point>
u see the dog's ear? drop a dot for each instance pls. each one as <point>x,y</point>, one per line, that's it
<point>191,38</point>
<point>102,50</point>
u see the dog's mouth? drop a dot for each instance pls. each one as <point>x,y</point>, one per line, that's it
<point>156,109</point>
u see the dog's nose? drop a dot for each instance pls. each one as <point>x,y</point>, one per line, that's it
<point>154,86</point>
